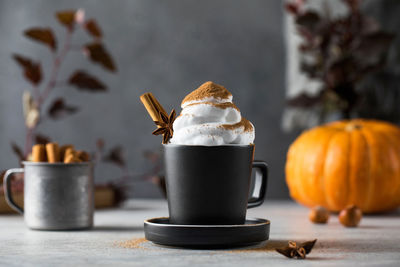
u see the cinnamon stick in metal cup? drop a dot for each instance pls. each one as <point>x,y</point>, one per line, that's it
<point>82,155</point>
<point>39,153</point>
<point>63,150</point>
<point>53,152</point>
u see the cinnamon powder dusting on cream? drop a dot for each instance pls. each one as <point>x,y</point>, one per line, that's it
<point>208,89</point>
<point>243,123</point>
<point>217,105</point>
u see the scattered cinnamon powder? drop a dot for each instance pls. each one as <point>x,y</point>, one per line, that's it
<point>208,89</point>
<point>137,243</point>
<point>243,123</point>
<point>218,105</point>
<point>133,243</point>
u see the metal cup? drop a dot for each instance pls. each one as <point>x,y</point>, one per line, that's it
<point>57,196</point>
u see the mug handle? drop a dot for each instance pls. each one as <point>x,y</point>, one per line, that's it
<point>261,165</point>
<point>7,189</point>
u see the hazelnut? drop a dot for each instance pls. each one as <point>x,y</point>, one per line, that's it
<point>319,215</point>
<point>350,216</point>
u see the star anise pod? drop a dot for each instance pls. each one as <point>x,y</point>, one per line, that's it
<point>165,126</point>
<point>293,250</point>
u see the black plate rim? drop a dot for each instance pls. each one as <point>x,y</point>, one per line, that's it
<point>259,221</point>
<point>187,236</point>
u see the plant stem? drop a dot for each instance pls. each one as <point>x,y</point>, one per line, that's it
<point>56,67</point>
<point>28,142</point>
<point>36,93</point>
<point>41,98</point>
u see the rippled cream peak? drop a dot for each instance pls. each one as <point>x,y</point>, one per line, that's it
<point>208,92</point>
<point>210,118</point>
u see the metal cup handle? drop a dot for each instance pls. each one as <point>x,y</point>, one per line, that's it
<point>261,186</point>
<point>7,189</point>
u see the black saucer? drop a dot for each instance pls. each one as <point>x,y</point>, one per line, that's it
<point>161,232</point>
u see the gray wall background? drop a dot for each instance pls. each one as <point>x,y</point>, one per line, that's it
<point>166,47</point>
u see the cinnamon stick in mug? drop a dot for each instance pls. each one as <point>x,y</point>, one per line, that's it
<point>53,152</point>
<point>38,153</point>
<point>152,106</point>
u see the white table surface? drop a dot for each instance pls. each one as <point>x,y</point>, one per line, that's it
<point>376,242</point>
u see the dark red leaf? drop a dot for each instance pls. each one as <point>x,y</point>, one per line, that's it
<point>42,139</point>
<point>17,151</point>
<point>59,109</point>
<point>115,156</point>
<point>84,81</point>
<point>93,28</point>
<point>42,35</point>
<point>32,70</point>
<point>97,53</point>
<point>292,8</point>
<point>67,18</point>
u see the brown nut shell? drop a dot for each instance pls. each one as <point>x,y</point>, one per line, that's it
<point>319,215</point>
<point>350,216</point>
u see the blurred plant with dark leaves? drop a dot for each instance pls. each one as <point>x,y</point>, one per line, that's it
<point>35,100</point>
<point>342,53</point>
<point>39,97</point>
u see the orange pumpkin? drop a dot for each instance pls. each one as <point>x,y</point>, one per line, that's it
<point>346,162</point>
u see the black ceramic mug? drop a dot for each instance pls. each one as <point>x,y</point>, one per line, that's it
<point>210,184</point>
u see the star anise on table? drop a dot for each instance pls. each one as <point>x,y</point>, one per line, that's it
<point>293,250</point>
<point>165,126</point>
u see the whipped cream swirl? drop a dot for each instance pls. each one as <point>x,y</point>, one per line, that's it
<point>210,118</point>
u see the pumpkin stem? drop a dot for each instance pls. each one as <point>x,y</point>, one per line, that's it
<point>353,126</point>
